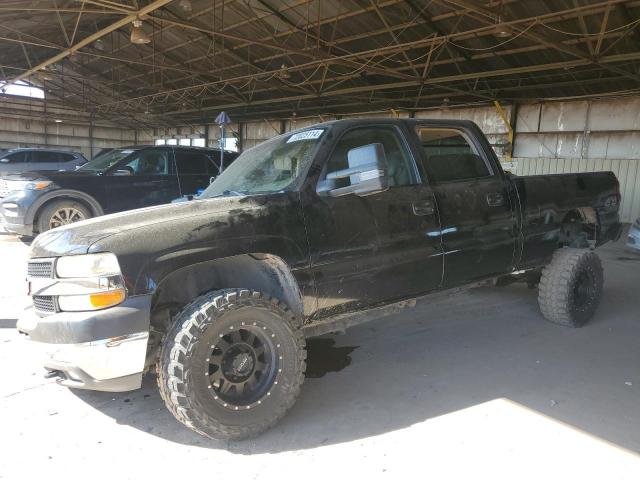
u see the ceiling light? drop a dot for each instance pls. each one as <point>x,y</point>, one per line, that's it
<point>138,36</point>
<point>57,121</point>
<point>99,45</point>
<point>502,31</point>
<point>185,5</point>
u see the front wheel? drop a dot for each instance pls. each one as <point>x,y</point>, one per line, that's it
<point>61,212</point>
<point>232,364</point>
<point>570,287</point>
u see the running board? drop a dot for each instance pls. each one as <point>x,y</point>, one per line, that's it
<point>339,323</point>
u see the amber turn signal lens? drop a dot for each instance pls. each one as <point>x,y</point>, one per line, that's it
<point>41,185</point>
<point>106,299</point>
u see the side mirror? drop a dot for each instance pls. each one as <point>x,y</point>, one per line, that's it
<point>123,173</point>
<point>367,173</point>
<point>211,179</point>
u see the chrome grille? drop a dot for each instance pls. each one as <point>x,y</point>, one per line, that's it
<point>44,303</point>
<point>40,269</point>
<point>4,188</point>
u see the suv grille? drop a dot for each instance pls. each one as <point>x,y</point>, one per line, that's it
<point>40,269</point>
<point>44,303</point>
<point>4,189</point>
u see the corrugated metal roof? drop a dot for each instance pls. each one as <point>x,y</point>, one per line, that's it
<point>268,58</point>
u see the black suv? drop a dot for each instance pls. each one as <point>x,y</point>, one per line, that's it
<point>122,179</point>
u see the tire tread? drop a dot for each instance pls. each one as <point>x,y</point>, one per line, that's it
<point>182,340</point>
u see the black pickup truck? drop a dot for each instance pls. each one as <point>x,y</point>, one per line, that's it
<point>307,233</point>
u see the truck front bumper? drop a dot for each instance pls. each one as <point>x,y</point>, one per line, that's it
<point>112,361</point>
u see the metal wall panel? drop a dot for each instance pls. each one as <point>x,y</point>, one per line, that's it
<point>563,116</point>
<point>615,114</point>
<point>528,118</point>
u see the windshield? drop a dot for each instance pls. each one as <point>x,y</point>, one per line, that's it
<point>271,166</point>
<point>105,161</point>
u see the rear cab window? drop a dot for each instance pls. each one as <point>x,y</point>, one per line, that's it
<point>451,156</point>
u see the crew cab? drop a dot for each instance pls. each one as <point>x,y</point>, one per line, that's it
<point>120,179</point>
<point>307,233</point>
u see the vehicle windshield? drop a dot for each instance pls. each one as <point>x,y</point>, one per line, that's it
<point>105,161</point>
<point>269,167</point>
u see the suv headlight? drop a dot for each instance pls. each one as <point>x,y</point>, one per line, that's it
<point>91,265</point>
<point>93,282</point>
<point>20,185</point>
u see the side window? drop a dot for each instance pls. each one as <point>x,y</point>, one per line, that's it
<point>149,162</point>
<point>66,157</point>
<point>194,163</point>
<point>18,157</point>
<point>44,157</point>
<point>450,156</point>
<point>399,162</point>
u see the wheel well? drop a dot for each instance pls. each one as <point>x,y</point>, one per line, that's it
<point>262,272</point>
<point>86,204</point>
<point>579,228</point>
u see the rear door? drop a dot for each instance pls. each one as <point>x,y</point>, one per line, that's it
<point>44,160</point>
<point>195,170</point>
<point>376,248</point>
<point>474,203</point>
<point>150,180</point>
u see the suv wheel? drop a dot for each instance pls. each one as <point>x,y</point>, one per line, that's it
<point>61,212</point>
<point>232,364</point>
<point>570,287</point>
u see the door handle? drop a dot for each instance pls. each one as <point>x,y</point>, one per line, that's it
<point>423,207</point>
<point>495,199</point>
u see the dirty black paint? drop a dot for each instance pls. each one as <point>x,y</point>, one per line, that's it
<point>349,253</point>
<point>323,357</point>
<point>629,259</point>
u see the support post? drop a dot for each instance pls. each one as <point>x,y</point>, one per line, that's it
<point>507,124</point>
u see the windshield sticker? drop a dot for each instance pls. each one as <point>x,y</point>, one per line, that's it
<point>308,135</point>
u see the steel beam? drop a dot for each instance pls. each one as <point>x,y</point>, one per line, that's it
<point>92,38</point>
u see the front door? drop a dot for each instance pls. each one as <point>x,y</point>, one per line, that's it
<point>374,249</point>
<point>14,163</point>
<point>147,178</point>
<point>478,226</point>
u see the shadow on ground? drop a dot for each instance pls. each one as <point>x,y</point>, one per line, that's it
<point>436,359</point>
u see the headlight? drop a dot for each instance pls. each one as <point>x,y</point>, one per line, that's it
<point>91,265</point>
<point>20,185</point>
<point>96,282</point>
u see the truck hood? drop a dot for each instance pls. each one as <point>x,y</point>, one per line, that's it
<point>77,238</point>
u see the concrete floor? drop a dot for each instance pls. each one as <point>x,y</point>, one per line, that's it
<point>478,385</point>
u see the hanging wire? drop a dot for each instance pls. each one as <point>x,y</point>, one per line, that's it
<point>590,34</point>
<point>497,45</point>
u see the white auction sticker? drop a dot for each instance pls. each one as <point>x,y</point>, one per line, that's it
<point>307,135</point>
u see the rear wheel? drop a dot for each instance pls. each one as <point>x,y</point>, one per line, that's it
<point>570,287</point>
<point>232,364</point>
<point>61,212</point>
